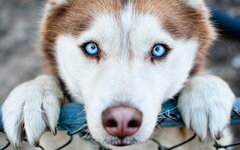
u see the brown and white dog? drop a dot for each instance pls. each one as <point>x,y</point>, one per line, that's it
<point>122,59</point>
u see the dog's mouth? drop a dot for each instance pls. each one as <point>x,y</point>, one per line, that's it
<point>114,141</point>
<point>122,144</point>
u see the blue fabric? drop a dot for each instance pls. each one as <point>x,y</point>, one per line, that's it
<point>236,113</point>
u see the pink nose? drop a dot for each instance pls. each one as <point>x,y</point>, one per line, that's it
<point>121,121</point>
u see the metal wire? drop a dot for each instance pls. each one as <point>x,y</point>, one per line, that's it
<point>65,145</point>
<point>161,147</point>
<point>237,113</point>
<point>169,118</point>
<point>6,146</point>
<point>218,146</point>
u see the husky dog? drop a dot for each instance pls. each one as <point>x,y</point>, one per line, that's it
<point>122,59</point>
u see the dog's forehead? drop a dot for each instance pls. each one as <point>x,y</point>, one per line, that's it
<point>176,17</point>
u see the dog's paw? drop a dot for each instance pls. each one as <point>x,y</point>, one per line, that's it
<point>31,108</point>
<point>205,105</point>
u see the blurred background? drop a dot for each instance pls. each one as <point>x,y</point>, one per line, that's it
<point>20,62</point>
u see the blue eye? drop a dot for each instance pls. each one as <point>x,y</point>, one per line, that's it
<point>159,51</point>
<point>91,48</point>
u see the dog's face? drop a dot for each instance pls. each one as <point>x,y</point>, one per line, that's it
<point>132,54</point>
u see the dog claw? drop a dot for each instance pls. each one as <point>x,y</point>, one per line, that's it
<point>219,136</point>
<point>202,140</point>
<point>54,132</point>
<point>37,144</point>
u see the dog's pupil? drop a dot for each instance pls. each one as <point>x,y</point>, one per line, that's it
<point>157,49</point>
<point>93,47</point>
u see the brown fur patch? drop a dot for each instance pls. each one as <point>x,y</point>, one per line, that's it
<point>182,21</point>
<point>72,18</point>
<point>177,18</point>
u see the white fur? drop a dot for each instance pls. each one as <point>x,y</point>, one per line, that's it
<point>205,104</point>
<point>26,104</point>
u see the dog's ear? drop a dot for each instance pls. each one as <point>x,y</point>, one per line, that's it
<point>198,4</point>
<point>54,3</point>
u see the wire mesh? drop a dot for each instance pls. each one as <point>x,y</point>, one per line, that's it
<point>72,119</point>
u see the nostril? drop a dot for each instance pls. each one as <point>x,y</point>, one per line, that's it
<point>111,123</point>
<point>134,124</point>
